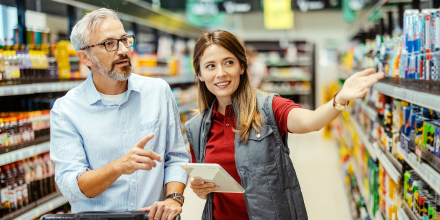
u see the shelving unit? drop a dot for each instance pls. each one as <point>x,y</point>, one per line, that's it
<point>38,208</point>
<point>423,99</point>
<point>363,17</point>
<point>429,175</point>
<point>187,108</point>
<point>372,114</point>
<point>294,80</point>
<point>376,153</point>
<point>377,215</point>
<point>25,89</point>
<point>24,153</point>
<point>142,13</point>
<point>172,80</point>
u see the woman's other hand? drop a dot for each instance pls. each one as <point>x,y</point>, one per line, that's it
<point>202,188</point>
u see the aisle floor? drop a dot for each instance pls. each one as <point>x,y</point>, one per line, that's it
<point>316,163</point>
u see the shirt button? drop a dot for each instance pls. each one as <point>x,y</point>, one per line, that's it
<point>131,204</point>
<point>227,125</point>
<point>124,131</point>
<point>258,135</point>
<point>133,180</point>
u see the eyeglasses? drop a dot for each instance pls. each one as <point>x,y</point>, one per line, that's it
<point>113,44</point>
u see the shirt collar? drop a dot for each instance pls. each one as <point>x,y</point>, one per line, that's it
<point>229,112</point>
<point>92,94</point>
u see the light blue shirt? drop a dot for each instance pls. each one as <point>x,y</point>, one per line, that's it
<point>88,133</point>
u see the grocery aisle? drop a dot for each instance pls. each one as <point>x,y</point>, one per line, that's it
<point>316,163</point>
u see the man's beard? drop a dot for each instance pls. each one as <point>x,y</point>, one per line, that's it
<point>112,73</point>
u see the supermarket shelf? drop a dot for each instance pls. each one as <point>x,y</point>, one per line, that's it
<point>24,89</point>
<point>426,100</point>
<point>23,153</point>
<point>429,175</point>
<point>370,147</point>
<point>372,114</point>
<point>377,153</point>
<point>295,64</point>
<point>408,211</point>
<point>290,92</point>
<point>401,214</point>
<point>360,182</point>
<point>288,79</point>
<point>187,108</point>
<point>178,79</point>
<point>43,208</point>
<point>142,13</point>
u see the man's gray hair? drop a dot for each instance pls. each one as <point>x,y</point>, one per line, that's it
<point>80,35</point>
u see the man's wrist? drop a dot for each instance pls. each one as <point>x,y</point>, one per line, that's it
<point>176,197</point>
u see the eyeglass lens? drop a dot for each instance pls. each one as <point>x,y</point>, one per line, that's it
<point>113,44</point>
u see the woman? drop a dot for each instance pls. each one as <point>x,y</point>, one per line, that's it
<point>245,131</point>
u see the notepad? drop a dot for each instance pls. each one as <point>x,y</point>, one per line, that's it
<point>211,172</point>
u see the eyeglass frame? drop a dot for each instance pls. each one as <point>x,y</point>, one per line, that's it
<point>117,44</point>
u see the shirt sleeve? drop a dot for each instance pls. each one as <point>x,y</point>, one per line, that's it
<point>281,108</point>
<point>176,152</point>
<point>67,152</point>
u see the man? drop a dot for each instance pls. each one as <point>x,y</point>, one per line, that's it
<point>116,139</point>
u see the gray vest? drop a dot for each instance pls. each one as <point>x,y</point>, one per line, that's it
<point>263,164</point>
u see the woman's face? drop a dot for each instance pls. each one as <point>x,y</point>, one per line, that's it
<point>220,70</point>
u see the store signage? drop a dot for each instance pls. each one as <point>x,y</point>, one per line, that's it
<point>278,14</point>
<point>203,13</point>
<point>305,5</point>
<point>231,7</point>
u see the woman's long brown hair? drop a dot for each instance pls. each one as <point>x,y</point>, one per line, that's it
<point>244,98</point>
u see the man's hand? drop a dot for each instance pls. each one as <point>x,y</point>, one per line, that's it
<point>163,210</point>
<point>202,188</point>
<point>137,158</point>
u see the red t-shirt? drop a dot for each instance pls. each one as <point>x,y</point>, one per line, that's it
<point>220,149</point>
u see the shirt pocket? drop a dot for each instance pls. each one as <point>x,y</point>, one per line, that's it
<point>262,146</point>
<point>151,127</point>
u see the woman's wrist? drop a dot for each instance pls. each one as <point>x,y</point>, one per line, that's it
<point>340,100</point>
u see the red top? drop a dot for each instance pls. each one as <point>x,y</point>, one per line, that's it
<point>220,149</point>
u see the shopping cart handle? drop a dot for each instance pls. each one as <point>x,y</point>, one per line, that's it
<point>134,215</point>
<point>176,218</point>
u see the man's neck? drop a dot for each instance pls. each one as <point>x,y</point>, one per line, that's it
<point>109,86</point>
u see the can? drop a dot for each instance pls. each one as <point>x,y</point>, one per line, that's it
<point>435,68</point>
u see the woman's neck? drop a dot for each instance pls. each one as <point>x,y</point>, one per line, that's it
<point>222,103</point>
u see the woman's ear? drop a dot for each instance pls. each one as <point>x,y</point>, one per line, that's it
<point>84,58</point>
<point>200,77</point>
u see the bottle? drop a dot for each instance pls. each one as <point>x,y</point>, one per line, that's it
<point>7,142</point>
<point>3,134</point>
<point>10,182</point>
<point>2,65</point>
<point>38,187</point>
<point>4,197</point>
<point>22,183</point>
<point>29,178</point>
<point>18,192</point>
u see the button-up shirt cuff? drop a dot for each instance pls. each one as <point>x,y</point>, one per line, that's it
<point>74,187</point>
<point>175,174</point>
